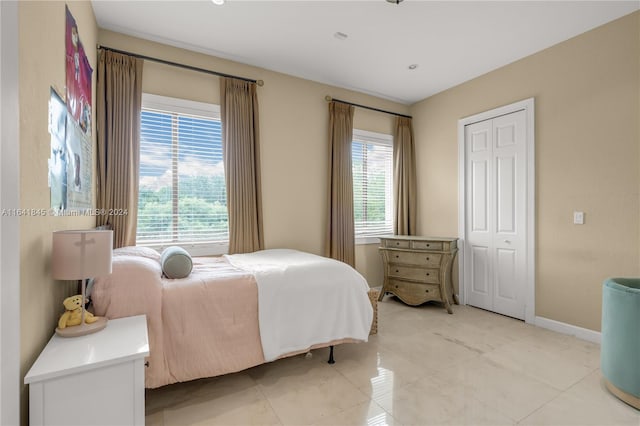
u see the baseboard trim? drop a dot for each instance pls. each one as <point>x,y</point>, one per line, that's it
<point>573,330</point>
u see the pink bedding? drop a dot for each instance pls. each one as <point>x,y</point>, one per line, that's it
<point>191,331</point>
<point>204,325</point>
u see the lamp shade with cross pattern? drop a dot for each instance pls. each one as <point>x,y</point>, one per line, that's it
<point>78,255</point>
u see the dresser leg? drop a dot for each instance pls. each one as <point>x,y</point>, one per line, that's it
<point>447,305</point>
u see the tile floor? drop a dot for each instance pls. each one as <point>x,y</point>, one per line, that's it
<point>423,367</point>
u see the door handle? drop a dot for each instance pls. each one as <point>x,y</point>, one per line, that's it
<point>507,241</point>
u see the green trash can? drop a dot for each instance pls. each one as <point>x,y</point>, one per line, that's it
<point>620,348</point>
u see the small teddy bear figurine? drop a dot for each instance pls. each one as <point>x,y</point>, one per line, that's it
<point>73,313</point>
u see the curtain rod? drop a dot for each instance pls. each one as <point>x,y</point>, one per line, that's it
<point>175,64</point>
<point>329,99</point>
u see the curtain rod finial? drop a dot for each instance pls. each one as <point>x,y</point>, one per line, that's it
<point>260,83</point>
<point>328,98</point>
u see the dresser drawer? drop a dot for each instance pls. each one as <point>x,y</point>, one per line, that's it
<point>426,245</point>
<point>415,258</point>
<point>397,244</point>
<point>412,273</point>
<point>414,293</point>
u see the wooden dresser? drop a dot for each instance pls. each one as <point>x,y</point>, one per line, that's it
<point>418,269</point>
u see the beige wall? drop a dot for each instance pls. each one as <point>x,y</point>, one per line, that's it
<point>293,137</point>
<point>42,65</point>
<point>587,158</point>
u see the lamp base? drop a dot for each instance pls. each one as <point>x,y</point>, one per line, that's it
<point>82,329</point>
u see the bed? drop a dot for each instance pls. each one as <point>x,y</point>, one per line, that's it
<point>234,312</point>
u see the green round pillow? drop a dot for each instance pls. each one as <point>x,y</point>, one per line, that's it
<point>176,262</point>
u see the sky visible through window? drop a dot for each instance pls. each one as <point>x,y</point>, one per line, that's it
<point>182,195</point>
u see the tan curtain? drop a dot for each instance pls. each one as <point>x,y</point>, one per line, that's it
<point>241,151</point>
<point>340,236</point>
<point>404,175</point>
<point>119,102</point>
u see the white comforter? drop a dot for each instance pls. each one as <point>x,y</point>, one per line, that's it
<point>304,299</point>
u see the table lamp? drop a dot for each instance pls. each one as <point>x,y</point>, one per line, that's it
<point>78,255</point>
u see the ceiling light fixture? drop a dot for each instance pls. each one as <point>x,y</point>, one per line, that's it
<point>340,36</point>
<point>394,1</point>
<point>218,2</point>
<point>413,66</point>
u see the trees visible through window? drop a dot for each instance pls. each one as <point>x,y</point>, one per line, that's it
<point>182,193</point>
<point>372,165</point>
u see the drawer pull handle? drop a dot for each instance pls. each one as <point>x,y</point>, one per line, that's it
<point>146,363</point>
<point>396,286</point>
<point>427,259</point>
<point>427,274</point>
<point>397,257</point>
<point>428,245</point>
<point>426,291</point>
<point>397,244</point>
<point>397,271</point>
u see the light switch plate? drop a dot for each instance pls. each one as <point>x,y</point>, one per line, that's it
<point>578,218</point>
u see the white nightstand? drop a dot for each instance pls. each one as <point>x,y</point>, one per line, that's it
<point>97,379</point>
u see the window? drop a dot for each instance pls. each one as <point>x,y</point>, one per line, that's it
<point>182,197</point>
<point>372,162</point>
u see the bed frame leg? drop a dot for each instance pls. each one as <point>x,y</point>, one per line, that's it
<point>331,360</point>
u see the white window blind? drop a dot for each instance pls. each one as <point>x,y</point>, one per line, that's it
<point>182,194</point>
<point>372,162</point>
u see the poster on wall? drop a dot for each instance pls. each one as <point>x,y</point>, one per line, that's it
<point>78,140</point>
<point>78,72</point>
<point>78,148</point>
<point>58,159</point>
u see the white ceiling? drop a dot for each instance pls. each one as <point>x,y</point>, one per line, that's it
<point>451,41</point>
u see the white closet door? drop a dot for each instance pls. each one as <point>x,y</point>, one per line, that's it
<point>479,155</point>
<point>496,214</point>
